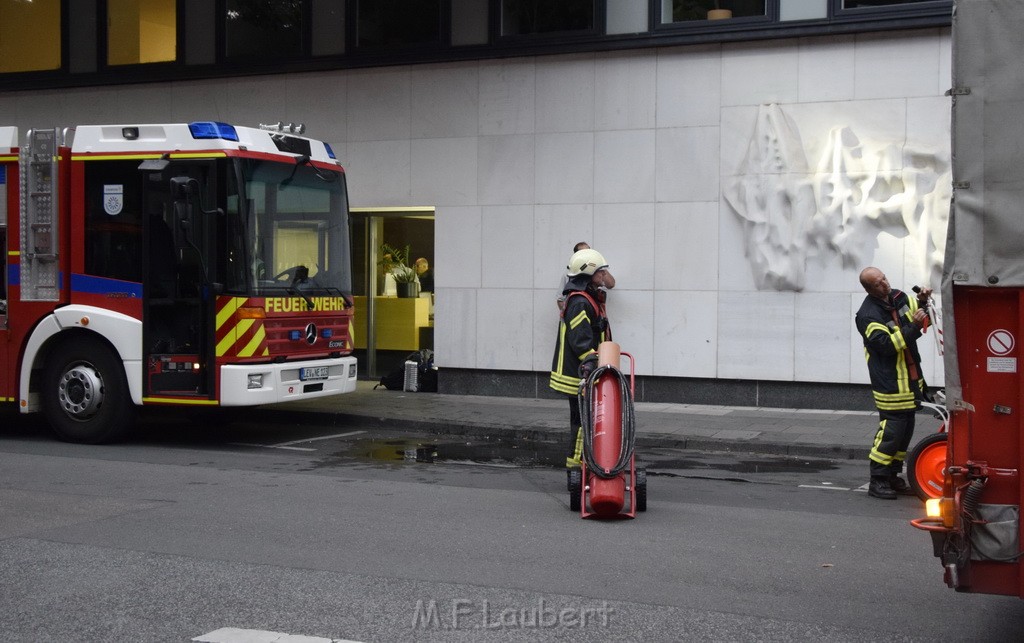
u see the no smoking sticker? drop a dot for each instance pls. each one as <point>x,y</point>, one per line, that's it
<point>1000,342</point>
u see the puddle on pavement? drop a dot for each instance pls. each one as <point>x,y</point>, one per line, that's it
<point>490,452</point>
<point>525,453</point>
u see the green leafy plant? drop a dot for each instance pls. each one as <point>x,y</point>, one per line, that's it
<point>396,262</point>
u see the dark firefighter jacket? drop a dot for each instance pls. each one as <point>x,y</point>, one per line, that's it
<point>581,328</point>
<point>890,347</point>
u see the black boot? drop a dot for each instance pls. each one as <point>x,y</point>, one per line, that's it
<point>879,488</point>
<point>900,486</point>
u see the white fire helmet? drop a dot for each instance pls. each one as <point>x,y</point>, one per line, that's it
<point>586,262</point>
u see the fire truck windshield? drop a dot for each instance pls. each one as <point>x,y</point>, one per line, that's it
<point>287,230</point>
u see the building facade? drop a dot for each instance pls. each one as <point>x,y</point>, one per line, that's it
<point>737,174</point>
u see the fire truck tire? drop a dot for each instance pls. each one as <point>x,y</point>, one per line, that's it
<point>575,488</point>
<point>85,394</point>
<point>926,466</point>
<point>641,490</point>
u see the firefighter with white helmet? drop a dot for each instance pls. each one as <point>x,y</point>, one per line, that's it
<point>583,324</point>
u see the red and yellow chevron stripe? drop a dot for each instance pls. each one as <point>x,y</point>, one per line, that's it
<point>240,328</point>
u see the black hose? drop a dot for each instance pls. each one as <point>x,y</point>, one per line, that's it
<point>628,433</point>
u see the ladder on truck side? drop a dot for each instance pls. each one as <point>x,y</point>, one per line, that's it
<point>40,240</point>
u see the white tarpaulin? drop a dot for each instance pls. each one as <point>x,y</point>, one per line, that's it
<point>985,243</point>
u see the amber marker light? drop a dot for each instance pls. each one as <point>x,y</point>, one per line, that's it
<point>933,507</point>
<point>248,312</point>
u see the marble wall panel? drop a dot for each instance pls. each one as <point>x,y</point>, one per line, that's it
<point>458,244</point>
<point>823,328</point>
<point>505,171</point>
<point>687,164</point>
<point>756,335</point>
<point>506,259</point>
<point>686,246</point>
<point>624,234</point>
<point>445,102</point>
<point>455,340</point>
<point>760,72</point>
<point>565,94</point>
<point>379,105</point>
<point>565,168</point>
<point>624,166</point>
<point>379,173</point>
<point>916,74</point>
<point>557,230</point>
<point>689,86</point>
<point>625,90</point>
<point>685,333</point>
<point>444,171</point>
<point>631,315</point>
<point>507,96</point>
<point>826,69</point>
<point>504,328</point>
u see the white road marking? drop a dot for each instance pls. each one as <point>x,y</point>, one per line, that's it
<point>826,487</point>
<point>288,445</point>
<point>323,437</point>
<point>268,446</point>
<point>237,635</point>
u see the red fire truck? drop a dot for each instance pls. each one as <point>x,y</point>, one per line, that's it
<point>975,525</point>
<point>196,264</point>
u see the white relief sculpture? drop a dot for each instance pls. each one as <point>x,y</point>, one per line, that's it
<point>856,192</point>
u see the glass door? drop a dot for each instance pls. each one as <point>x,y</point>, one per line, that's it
<point>393,286</point>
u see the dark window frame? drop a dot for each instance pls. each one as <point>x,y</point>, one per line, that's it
<point>740,23</point>
<point>497,35</point>
<point>905,9</point>
<point>353,48</point>
<point>234,61</point>
<point>913,16</point>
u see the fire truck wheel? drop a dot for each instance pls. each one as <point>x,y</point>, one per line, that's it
<point>575,488</point>
<point>84,392</point>
<point>641,490</point>
<point>926,466</point>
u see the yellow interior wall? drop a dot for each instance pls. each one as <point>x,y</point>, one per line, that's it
<point>29,36</point>
<point>141,31</point>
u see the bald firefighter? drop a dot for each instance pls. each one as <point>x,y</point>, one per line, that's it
<point>890,323</point>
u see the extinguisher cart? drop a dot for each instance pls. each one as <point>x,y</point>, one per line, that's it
<point>608,483</point>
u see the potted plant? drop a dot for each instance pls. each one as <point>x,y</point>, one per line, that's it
<point>396,263</point>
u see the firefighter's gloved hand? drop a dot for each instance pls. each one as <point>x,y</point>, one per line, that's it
<point>588,365</point>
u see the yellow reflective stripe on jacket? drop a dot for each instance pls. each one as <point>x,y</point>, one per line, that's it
<point>579,319</point>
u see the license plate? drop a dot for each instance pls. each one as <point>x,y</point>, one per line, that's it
<point>313,373</point>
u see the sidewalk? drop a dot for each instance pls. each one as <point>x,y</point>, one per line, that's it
<point>797,432</point>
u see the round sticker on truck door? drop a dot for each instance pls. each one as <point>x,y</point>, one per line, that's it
<point>1000,342</point>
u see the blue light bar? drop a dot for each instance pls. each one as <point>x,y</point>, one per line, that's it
<point>330,152</point>
<point>327,333</point>
<point>213,129</point>
<point>294,335</point>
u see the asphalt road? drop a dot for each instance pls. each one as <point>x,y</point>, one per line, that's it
<point>211,531</point>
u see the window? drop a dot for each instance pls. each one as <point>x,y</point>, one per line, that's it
<point>527,17</point>
<point>686,10</point>
<point>113,220</point>
<point>389,24</point>
<point>857,4</point>
<point>141,31</point>
<point>261,29</point>
<point>30,35</point>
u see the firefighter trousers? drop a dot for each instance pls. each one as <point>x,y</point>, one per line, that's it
<point>575,451</point>
<point>895,430</point>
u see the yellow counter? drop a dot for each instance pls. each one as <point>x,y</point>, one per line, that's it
<point>398,322</point>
